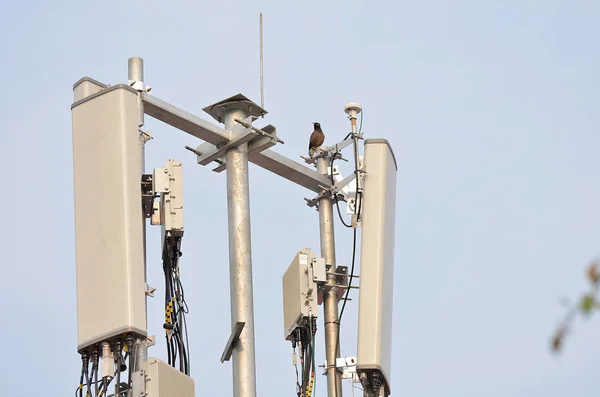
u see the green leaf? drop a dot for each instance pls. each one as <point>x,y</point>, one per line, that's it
<point>587,304</point>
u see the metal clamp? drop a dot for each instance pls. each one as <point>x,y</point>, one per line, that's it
<point>139,86</point>
<point>341,283</point>
<point>347,366</point>
<point>210,152</point>
<point>147,195</point>
<point>255,146</point>
<point>332,191</point>
<point>258,140</point>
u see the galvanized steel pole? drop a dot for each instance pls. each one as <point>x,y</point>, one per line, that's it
<point>136,74</point>
<point>240,262</point>
<point>330,300</point>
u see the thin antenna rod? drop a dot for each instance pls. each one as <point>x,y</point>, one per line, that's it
<point>262,88</point>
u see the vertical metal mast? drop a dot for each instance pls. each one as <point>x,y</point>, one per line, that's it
<point>136,80</point>
<point>262,87</point>
<point>330,300</point>
<point>240,260</point>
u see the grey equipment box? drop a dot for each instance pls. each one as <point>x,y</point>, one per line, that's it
<point>300,290</point>
<point>159,379</point>
<point>376,291</point>
<point>108,213</point>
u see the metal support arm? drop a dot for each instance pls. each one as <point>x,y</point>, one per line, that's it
<point>184,121</point>
<point>257,153</point>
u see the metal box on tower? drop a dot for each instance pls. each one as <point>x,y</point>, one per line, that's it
<point>159,379</point>
<point>300,284</point>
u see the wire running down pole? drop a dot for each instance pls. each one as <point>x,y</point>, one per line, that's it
<point>330,300</point>
<point>240,261</point>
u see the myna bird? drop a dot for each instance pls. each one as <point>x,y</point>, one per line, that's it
<point>316,139</point>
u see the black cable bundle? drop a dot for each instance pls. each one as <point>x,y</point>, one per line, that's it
<point>305,338</point>
<point>89,378</point>
<point>175,307</point>
<point>84,364</point>
<point>307,358</point>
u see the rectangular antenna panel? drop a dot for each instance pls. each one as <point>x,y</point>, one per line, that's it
<point>86,87</point>
<point>376,291</point>
<point>108,216</point>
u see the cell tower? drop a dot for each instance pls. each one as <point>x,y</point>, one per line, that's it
<point>115,197</point>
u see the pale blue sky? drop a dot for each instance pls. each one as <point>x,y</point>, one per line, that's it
<point>492,112</point>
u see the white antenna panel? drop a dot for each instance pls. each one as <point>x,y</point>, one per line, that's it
<point>376,291</point>
<point>108,216</point>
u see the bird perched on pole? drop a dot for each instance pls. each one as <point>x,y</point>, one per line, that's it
<point>316,139</point>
